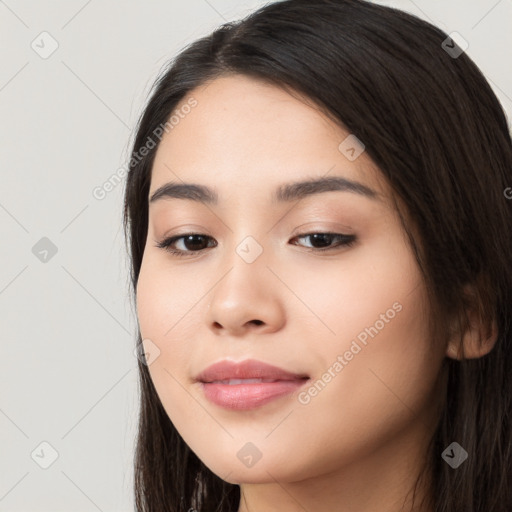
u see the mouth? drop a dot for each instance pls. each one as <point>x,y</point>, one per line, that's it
<point>250,369</point>
<point>235,382</point>
<point>247,385</point>
<point>246,394</point>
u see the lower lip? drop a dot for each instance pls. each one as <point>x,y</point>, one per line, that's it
<point>249,396</point>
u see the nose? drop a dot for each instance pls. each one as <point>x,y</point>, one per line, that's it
<point>246,299</point>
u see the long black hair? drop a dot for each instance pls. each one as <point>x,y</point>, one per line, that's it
<point>437,133</point>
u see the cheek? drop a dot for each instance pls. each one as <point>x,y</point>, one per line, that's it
<point>162,305</point>
<point>377,389</point>
<point>163,298</point>
<point>165,311</point>
<point>374,312</point>
<point>344,297</point>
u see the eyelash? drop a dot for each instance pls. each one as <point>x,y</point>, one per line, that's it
<point>166,244</point>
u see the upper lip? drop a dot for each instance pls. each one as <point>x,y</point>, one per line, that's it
<point>248,369</point>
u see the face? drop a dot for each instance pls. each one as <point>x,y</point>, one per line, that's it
<point>316,280</point>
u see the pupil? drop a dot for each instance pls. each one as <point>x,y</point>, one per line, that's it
<point>324,239</point>
<point>192,241</point>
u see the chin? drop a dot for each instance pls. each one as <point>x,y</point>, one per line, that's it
<point>263,471</point>
<point>248,476</point>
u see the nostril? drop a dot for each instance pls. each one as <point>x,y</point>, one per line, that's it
<point>257,322</point>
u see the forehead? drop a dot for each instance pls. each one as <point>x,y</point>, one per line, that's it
<point>248,134</point>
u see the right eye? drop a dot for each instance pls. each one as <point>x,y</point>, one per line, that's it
<point>191,243</point>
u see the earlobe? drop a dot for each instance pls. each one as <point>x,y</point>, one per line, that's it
<point>478,339</point>
<point>453,350</point>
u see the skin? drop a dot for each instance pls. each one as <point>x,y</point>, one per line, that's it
<point>357,445</point>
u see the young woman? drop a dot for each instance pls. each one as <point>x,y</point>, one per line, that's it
<point>319,219</point>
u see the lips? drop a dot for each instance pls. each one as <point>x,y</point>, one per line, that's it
<point>228,372</point>
<point>247,385</point>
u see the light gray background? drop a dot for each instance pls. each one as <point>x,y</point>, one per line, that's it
<point>67,369</point>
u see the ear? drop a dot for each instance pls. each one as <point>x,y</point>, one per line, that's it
<point>475,337</point>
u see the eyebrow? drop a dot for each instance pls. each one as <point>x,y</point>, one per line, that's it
<point>284,193</point>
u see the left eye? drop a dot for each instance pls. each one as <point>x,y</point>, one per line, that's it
<point>193,243</point>
<point>324,241</point>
